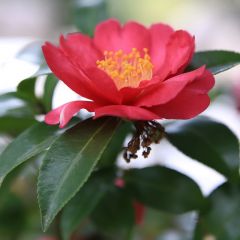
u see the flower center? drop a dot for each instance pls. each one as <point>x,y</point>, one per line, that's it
<point>127,70</point>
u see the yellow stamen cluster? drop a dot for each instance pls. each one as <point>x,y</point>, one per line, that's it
<point>127,70</point>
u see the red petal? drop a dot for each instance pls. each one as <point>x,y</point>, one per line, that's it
<point>180,50</point>
<point>80,49</point>
<point>160,35</point>
<point>130,94</point>
<point>64,113</point>
<point>104,85</point>
<point>109,35</point>
<point>135,35</point>
<point>203,83</point>
<point>77,78</point>
<point>187,104</point>
<point>123,111</point>
<point>169,89</point>
<point>62,67</point>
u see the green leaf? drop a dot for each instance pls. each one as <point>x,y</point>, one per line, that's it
<point>30,143</point>
<point>12,101</point>
<point>215,61</point>
<point>221,220</point>
<point>114,213</point>
<point>49,86</point>
<point>26,89</point>
<point>209,142</point>
<point>85,201</point>
<point>23,102</point>
<point>15,114</point>
<point>15,125</point>
<point>69,162</point>
<point>7,96</point>
<point>164,189</point>
<point>13,216</point>
<point>115,146</point>
<point>14,96</point>
<point>87,15</point>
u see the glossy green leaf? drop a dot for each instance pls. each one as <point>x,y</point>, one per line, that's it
<point>26,89</point>
<point>28,144</point>
<point>164,189</point>
<point>69,162</point>
<point>7,96</point>
<point>221,221</point>
<point>15,125</point>
<point>23,111</point>
<point>215,61</point>
<point>114,213</point>
<point>115,146</point>
<point>10,102</point>
<point>49,86</point>
<point>209,142</point>
<point>85,201</point>
<point>14,112</point>
<point>23,102</point>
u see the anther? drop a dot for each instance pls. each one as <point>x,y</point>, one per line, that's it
<point>126,69</point>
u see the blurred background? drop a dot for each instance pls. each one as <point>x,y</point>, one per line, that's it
<point>215,24</point>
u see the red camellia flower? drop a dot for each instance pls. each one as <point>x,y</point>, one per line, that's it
<point>129,71</point>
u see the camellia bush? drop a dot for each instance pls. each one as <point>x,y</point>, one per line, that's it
<point>129,78</point>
